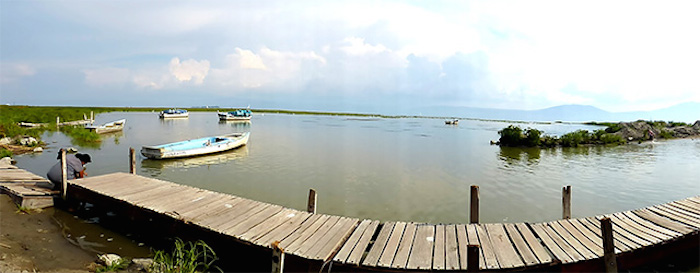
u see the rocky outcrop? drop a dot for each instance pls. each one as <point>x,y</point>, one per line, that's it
<point>640,130</point>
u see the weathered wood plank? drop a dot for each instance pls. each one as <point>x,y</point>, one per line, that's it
<point>224,213</point>
<point>537,248</point>
<point>246,222</point>
<point>211,208</point>
<point>622,242</point>
<point>507,256</point>
<point>404,250</point>
<point>651,225</point>
<point>359,250</point>
<point>639,230</point>
<point>688,218</point>
<point>487,248</point>
<point>451,247</point>
<point>521,246</point>
<point>563,243</point>
<point>350,244</point>
<point>330,243</point>
<point>664,222</point>
<point>376,251</point>
<point>268,224</point>
<point>303,250</point>
<point>687,205</point>
<point>462,244</point>
<point>308,228</point>
<point>421,256</point>
<point>473,239</point>
<point>671,215</point>
<point>572,241</point>
<point>285,229</point>
<point>553,247</point>
<point>392,245</point>
<point>624,230</point>
<point>439,248</point>
<point>684,207</point>
<point>591,242</point>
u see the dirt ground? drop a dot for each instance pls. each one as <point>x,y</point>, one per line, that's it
<point>34,243</point>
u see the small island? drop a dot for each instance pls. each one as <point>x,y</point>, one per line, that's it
<point>614,134</point>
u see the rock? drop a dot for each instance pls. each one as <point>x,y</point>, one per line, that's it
<point>28,141</point>
<point>141,264</point>
<point>696,125</point>
<point>5,141</point>
<point>109,259</point>
<point>38,150</point>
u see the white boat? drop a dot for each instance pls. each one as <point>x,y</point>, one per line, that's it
<point>174,113</point>
<point>108,127</point>
<point>239,114</point>
<point>452,122</point>
<point>195,147</point>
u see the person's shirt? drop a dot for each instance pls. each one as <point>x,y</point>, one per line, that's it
<point>73,166</point>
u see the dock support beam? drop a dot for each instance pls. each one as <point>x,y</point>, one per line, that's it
<point>64,174</point>
<point>132,161</point>
<point>566,202</point>
<point>608,246</point>
<point>474,205</point>
<point>277,258</point>
<point>311,208</point>
<point>472,258</point>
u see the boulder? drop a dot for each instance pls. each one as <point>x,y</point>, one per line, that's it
<point>28,141</point>
<point>5,141</point>
<point>143,265</point>
<point>38,150</point>
<point>109,259</point>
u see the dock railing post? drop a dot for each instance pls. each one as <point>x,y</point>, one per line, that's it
<point>608,245</point>
<point>311,208</point>
<point>472,258</point>
<point>474,205</point>
<point>277,258</point>
<point>64,174</point>
<point>566,202</point>
<point>132,161</point>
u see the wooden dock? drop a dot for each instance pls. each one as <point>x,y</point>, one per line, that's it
<point>369,245</point>
<point>28,190</point>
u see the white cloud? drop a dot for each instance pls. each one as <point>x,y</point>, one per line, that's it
<point>249,60</point>
<point>357,46</point>
<point>189,70</point>
<point>14,71</point>
<point>106,76</point>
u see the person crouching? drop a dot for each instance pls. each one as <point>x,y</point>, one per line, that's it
<point>75,168</point>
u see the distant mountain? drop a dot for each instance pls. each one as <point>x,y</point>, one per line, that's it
<point>685,112</point>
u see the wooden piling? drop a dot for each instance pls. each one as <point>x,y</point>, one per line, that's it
<point>277,258</point>
<point>472,258</point>
<point>58,122</point>
<point>474,205</point>
<point>92,116</point>
<point>132,161</point>
<point>64,174</point>
<point>608,245</point>
<point>566,202</point>
<point>311,208</point>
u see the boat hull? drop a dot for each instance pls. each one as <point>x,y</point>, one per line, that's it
<point>164,115</point>
<point>110,127</point>
<point>195,147</point>
<point>228,116</point>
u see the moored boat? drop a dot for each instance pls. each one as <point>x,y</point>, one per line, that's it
<point>174,113</point>
<point>452,122</point>
<point>239,114</point>
<point>108,127</point>
<point>195,147</point>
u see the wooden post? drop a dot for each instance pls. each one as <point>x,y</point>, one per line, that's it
<point>472,258</point>
<point>474,205</point>
<point>312,201</point>
<point>64,174</point>
<point>92,116</point>
<point>608,245</point>
<point>566,202</point>
<point>277,258</point>
<point>132,161</point>
<point>58,121</point>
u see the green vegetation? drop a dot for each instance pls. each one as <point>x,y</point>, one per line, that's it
<point>119,265</point>
<point>185,258</point>
<point>514,136</point>
<point>5,153</point>
<point>80,134</point>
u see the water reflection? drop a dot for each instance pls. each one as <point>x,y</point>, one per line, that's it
<point>191,162</point>
<point>236,124</point>
<point>513,155</point>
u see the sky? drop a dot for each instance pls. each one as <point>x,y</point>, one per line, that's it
<point>389,57</point>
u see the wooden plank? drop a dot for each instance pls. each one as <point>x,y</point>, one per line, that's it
<point>225,213</point>
<point>213,207</point>
<point>307,229</point>
<point>473,239</point>
<point>330,243</point>
<point>622,242</point>
<point>404,250</point>
<point>359,250</point>
<point>421,256</point>
<point>462,243</point>
<point>376,251</point>
<point>160,204</point>
<point>350,244</point>
<point>642,231</point>
<point>452,247</point>
<point>623,229</point>
<point>285,229</point>
<point>521,246</point>
<point>249,221</point>
<point>688,221</point>
<point>586,227</point>
<point>303,249</point>
<point>572,241</point>
<point>487,248</point>
<point>684,207</point>
<point>507,256</point>
<point>591,242</point>
<point>439,248</point>
<point>268,224</point>
<point>664,222</point>
<point>563,243</point>
<point>392,245</point>
<point>553,247</point>
<point>688,217</point>
<point>690,214</point>
<point>537,248</point>
<point>651,225</point>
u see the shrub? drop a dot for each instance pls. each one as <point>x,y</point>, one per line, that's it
<point>573,139</point>
<point>511,136</point>
<point>80,134</point>
<point>612,139</point>
<point>532,137</point>
<point>5,153</point>
<point>185,258</point>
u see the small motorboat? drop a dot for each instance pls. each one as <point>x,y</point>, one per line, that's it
<point>174,113</point>
<point>452,122</point>
<point>108,127</point>
<point>195,147</point>
<point>239,114</point>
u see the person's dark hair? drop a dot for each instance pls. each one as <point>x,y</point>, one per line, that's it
<point>84,157</point>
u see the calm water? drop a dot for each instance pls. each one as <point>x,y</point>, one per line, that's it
<point>398,169</point>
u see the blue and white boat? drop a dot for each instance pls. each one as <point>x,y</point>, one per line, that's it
<point>174,113</point>
<point>195,147</point>
<point>239,114</point>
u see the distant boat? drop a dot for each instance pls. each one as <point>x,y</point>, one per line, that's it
<point>195,147</point>
<point>239,114</point>
<point>452,122</point>
<point>174,113</point>
<point>108,127</point>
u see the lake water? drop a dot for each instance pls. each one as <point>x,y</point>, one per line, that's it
<point>408,169</point>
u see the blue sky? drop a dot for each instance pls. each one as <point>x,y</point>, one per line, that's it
<point>359,56</point>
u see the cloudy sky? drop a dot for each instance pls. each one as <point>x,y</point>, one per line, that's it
<point>361,56</point>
